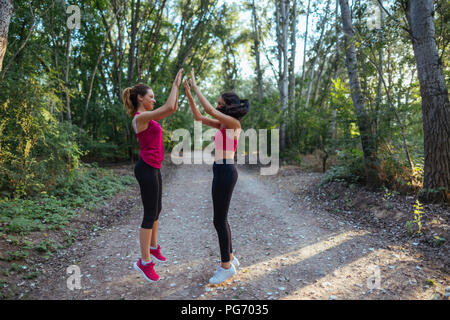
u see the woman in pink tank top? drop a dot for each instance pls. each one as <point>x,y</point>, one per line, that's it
<point>139,102</point>
<point>230,109</point>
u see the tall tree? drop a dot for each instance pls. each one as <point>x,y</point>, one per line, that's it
<point>291,71</point>
<point>305,41</point>
<point>317,55</point>
<point>256,48</point>
<point>6,11</point>
<point>66,76</point>
<point>435,101</point>
<point>362,116</point>
<point>282,33</point>
<point>24,42</point>
<point>336,70</point>
<point>132,55</point>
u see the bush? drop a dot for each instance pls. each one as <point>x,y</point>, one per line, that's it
<point>394,171</point>
<point>54,209</point>
<point>35,150</point>
<point>350,168</point>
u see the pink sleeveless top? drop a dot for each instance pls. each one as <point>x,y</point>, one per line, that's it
<point>224,142</point>
<point>151,143</point>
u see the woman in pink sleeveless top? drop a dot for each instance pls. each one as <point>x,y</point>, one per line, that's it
<point>139,102</point>
<point>230,109</point>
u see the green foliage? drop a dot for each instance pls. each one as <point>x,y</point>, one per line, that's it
<point>70,237</point>
<point>409,227</point>
<point>263,114</point>
<point>415,225</point>
<point>35,149</point>
<point>430,282</point>
<point>350,167</point>
<point>418,212</point>
<point>46,246</point>
<point>21,224</point>
<point>31,275</point>
<point>16,255</point>
<point>439,240</point>
<point>85,187</point>
<point>17,268</point>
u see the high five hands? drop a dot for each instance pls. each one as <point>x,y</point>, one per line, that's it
<point>191,83</point>
<point>178,78</point>
<point>192,80</point>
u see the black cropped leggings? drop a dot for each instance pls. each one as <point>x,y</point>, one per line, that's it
<point>225,177</point>
<point>150,182</point>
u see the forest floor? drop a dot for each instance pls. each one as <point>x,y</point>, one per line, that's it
<point>294,239</point>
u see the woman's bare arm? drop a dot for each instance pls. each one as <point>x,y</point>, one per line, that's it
<point>197,115</point>
<point>229,122</point>
<point>166,109</point>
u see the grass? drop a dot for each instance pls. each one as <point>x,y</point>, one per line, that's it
<point>88,188</point>
<point>37,216</point>
<point>40,224</point>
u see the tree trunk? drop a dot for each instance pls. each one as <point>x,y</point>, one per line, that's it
<point>131,55</point>
<point>316,57</point>
<point>362,116</point>
<point>336,72</point>
<point>282,25</point>
<point>6,11</point>
<point>304,44</point>
<point>435,102</point>
<point>291,85</point>
<point>256,43</point>
<point>66,76</point>
<point>21,46</point>
<point>120,47</point>
<point>378,98</point>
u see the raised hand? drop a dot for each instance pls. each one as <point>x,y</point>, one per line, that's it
<point>178,78</point>
<point>192,80</point>
<point>187,88</point>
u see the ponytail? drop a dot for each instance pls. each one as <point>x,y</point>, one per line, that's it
<point>128,105</point>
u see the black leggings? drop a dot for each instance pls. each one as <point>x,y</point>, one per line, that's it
<point>150,182</point>
<point>225,177</point>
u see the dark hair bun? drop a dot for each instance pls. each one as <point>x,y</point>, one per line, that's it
<point>245,103</point>
<point>234,106</point>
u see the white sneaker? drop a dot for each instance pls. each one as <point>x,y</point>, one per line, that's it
<point>222,274</point>
<point>235,262</point>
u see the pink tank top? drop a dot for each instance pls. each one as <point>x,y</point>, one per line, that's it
<point>224,142</point>
<point>151,143</point>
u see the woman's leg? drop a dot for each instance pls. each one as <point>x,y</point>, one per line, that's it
<point>230,245</point>
<point>154,241</point>
<point>147,177</point>
<point>222,188</point>
<point>145,236</point>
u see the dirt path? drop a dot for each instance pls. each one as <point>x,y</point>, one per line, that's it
<point>287,250</point>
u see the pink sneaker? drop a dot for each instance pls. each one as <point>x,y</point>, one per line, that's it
<point>147,270</point>
<point>157,254</point>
